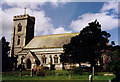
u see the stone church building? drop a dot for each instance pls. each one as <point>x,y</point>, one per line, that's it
<point>36,50</point>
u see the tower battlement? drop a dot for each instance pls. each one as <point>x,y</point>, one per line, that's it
<point>20,17</point>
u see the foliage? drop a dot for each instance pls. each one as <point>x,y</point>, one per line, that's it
<point>40,71</point>
<point>5,52</point>
<point>86,46</point>
<point>112,60</point>
<point>77,70</point>
<point>50,72</point>
<point>5,47</point>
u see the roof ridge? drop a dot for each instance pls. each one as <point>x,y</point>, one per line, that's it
<point>57,34</point>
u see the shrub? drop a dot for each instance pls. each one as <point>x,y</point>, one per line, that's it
<point>50,72</point>
<point>77,70</point>
<point>40,71</point>
<point>112,62</point>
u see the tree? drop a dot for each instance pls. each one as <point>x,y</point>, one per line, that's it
<point>87,46</point>
<point>5,52</point>
<point>111,60</point>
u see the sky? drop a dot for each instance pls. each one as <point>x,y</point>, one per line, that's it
<point>61,17</point>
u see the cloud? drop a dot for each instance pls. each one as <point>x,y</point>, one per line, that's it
<point>60,30</point>
<point>111,5</point>
<point>0,22</point>
<point>56,3</point>
<point>37,1</point>
<point>43,25</point>
<point>34,4</point>
<point>108,22</point>
<point>29,5</point>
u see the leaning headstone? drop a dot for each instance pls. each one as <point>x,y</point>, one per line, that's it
<point>93,71</point>
<point>109,80</point>
<point>20,72</point>
<point>90,78</point>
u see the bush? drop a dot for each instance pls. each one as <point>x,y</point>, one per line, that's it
<point>40,71</point>
<point>112,62</point>
<point>77,70</point>
<point>50,72</point>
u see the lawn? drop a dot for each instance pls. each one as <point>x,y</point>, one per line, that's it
<point>54,75</point>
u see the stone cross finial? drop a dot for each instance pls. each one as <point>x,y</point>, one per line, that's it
<point>25,11</point>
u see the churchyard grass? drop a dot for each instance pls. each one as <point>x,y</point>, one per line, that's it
<point>54,75</point>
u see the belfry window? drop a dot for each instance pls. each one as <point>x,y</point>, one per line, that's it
<point>19,27</point>
<point>44,59</point>
<point>18,42</point>
<point>55,59</point>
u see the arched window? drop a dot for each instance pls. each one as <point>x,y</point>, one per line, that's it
<point>19,27</point>
<point>44,59</point>
<point>55,59</point>
<point>18,42</point>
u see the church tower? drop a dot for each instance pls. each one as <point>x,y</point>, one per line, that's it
<point>23,32</point>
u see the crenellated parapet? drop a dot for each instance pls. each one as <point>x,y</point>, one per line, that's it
<point>21,17</point>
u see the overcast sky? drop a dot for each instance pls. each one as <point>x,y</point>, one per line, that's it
<point>61,17</point>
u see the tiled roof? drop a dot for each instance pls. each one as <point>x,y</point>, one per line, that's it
<point>50,41</point>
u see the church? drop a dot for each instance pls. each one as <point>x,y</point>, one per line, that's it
<point>36,50</point>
